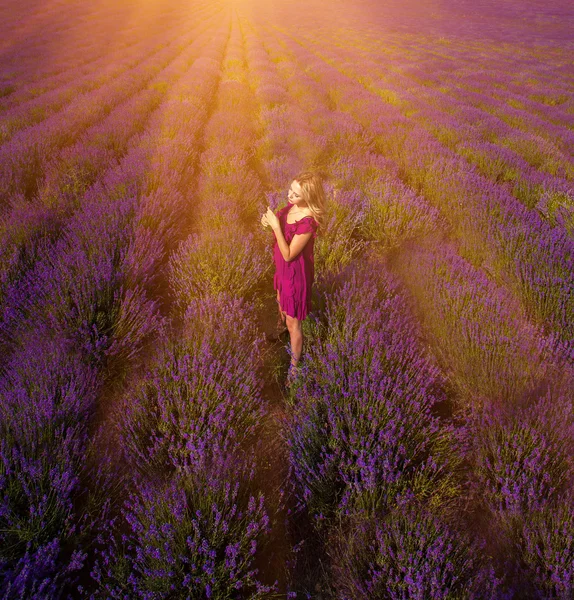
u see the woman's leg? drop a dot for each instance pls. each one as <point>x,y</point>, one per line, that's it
<point>282,315</point>
<point>296,333</point>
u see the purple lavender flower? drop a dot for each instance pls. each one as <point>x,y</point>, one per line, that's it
<point>521,459</point>
<point>203,394</point>
<point>362,429</point>
<point>411,553</point>
<point>547,550</point>
<point>47,398</point>
<point>191,538</point>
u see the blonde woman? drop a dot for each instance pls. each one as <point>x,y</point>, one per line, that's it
<point>295,228</point>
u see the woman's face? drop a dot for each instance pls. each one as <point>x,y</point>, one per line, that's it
<point>294,195</point>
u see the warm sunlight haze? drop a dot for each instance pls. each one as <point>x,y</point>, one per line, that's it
<point>287,299</point>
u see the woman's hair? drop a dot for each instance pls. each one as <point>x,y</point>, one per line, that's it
<point>313,193</point>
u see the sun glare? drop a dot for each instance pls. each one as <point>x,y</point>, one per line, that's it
<point>286,299</point>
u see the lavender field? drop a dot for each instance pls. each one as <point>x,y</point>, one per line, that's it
<point>148,446</point>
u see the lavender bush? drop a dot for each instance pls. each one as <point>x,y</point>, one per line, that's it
<point>395,214</point>
<point>521,459</point>
<point>77,289</point>
<point>362,429</point>
<point>209,265</point>
<point>202,394</point>
<point>491,352</point>
<point>547,550</point>
<point>194,537</point>
<point>339,241</point>
<point>49,512</point>
<point>411,553</point>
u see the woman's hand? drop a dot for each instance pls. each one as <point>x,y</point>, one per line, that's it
<point>270,219</point>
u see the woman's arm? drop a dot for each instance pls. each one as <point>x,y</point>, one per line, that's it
<point>291,251</point>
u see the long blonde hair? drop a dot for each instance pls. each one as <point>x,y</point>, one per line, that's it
<point>313,193</point>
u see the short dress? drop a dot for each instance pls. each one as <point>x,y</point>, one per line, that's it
<point>294,279</point>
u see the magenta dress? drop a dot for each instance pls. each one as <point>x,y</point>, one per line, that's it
<point>294,278</point>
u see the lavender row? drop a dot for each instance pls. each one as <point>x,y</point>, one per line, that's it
<point>192,525</point>
<point>365,448</point>
<point>532,484</point>
<point>206,374</point>
<point>74,177</point>
<point>479,331</point>
<point>24,62</point>
<point>20,59</point>
<point>470,68</point>
<point>139,174</point>
<point>220,255</point>
<point>52,492</point>
<point>345,570</point>
<point>24,66</point>
<point>23,159</point>
<point>400,90</point>
<point>170,152</point>
<point>76,168</point>
<point>539,270</point>
<point>92,276</point>
<point>521,481</point>
<point>498,155</point>
<point>80,308</point>
<point>82,80</point>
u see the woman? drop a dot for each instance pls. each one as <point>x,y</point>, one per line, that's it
<point>295,228</point>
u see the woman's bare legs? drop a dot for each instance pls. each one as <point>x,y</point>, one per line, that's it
<point>282,315</point>
<point>296,333</point>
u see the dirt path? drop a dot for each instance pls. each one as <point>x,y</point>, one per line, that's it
<point>272,454</point>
